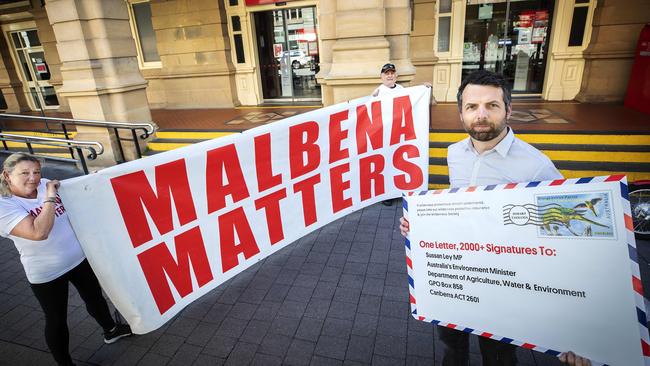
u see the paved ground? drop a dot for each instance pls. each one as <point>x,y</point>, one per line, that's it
<point>336,297</point>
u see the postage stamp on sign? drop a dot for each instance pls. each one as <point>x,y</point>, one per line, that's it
<point>586,214</point>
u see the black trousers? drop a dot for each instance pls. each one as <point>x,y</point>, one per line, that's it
<point>494,353</point>
<point>53,297</point>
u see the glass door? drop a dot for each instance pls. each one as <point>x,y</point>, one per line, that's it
<point>34,69</point>
<point>287,45</point>
<point>509,37</point>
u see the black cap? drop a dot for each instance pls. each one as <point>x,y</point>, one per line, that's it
<point>387,67</point>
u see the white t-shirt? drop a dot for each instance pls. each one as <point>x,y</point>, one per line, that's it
<point>510,161</point>
<point>47,259</point>
<point>384,90</point>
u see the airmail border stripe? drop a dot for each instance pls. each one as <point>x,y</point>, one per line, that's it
<point>409,263</point>
<point>497,338</point>
<point>641,308</point>
<point>645,348</point>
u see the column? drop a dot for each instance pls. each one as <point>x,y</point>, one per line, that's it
<point>610,54</point>
<point>565,63</point>
<point>248,90</point>
<point>447,69</point>
<point>194,47</point>
<point>358,37</point>
<point>423,39</point>
<point>101,78</point>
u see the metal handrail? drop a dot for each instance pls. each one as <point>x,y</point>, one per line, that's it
<point>146,127</point>
<point>94,148</point>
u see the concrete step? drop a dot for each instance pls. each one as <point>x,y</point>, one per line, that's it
<point>170,140</point>
<point>40,149</point>
<point>59,134</point>
<point>574,154</point>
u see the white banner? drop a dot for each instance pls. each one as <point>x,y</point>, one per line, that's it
<point>549,266</point>
<point>162,231</point>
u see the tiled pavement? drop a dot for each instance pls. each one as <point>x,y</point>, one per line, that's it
<point>338,296</point>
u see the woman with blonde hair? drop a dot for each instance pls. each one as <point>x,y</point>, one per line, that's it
<point>33,216</point>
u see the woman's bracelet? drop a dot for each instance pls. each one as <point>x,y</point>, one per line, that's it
<point>52,199</point>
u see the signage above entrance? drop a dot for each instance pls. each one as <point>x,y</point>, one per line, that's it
<point>265,2</point>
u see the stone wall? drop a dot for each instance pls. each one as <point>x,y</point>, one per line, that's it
<point>194,49</point>
<point>358,37</point>
<point>609,56</point>
<point>422,40</point>
<point>101,78</point>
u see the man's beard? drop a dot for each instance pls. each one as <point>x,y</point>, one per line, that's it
<point>488,135</point>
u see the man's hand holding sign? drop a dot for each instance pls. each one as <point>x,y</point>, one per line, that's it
<point>525,264</point>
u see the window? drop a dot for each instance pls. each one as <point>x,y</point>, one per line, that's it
<point>144,34</point>
<point>578,23</point>
<point>30,60</point>
<point>236,24</point>
<point>444,6</point>
<point>238,39</point>
<point>444,25</point>
<point>295,14</point>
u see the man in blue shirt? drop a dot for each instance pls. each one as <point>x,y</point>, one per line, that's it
<point>491,154</point>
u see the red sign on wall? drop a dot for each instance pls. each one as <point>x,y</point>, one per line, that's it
<point>40,67</point>
<point>277,50</point>
<point>526,19</point>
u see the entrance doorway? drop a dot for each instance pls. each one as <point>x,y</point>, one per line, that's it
<point>34,69</point>
<point>509,37</point>
<point>287,45</point>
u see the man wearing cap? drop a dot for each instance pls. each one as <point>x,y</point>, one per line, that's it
<point>388,81</point>
<point>389,85</point>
